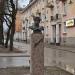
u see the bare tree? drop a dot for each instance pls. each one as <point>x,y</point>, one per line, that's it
<point>14,12</point>
<point>9,18</point>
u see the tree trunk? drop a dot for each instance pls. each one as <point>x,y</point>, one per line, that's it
<point>12,35</point>
<point>1,33</point>
<point>14,11</point>
<point>1,22</point>
<point>7,39</point>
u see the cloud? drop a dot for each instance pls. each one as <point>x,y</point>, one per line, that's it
<point>23,3</point>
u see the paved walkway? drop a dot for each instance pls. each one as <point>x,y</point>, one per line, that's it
<point>26,71</point>
<point>15,71</point>
<point>14,55</point>
<point>27,47</point>
<point>64,48</point>
<point>23,47</point>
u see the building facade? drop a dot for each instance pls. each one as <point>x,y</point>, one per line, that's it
<point>33,9</point>
<point>69,19</point>
<point>18,28</point>
<point>55,17</point>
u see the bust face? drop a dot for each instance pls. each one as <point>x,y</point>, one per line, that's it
<point>36,20</point>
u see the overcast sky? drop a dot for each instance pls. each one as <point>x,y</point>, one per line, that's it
<point>23,2</point>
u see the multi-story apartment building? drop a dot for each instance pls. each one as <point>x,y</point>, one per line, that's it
<point>32,9</point>
<point>56,15</point>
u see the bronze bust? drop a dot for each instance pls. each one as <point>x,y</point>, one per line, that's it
<point>36,27</point>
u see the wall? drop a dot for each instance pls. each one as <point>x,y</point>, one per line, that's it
<point>70,37</point>
<point>18,27</point>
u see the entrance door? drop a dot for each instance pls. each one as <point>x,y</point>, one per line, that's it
<point>54,33</point>
<point>59,33</point>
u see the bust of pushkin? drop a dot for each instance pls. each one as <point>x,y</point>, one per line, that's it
<point>35,27</point>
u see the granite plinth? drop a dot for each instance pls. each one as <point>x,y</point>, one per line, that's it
<point>37,54</point>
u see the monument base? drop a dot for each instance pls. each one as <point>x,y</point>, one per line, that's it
<point>37,54</point>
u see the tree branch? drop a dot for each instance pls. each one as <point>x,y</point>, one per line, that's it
<point>8,19</point>
<point>6,22</point>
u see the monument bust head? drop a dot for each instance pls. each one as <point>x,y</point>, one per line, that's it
<point>36,20</point>
<point>36,27</point>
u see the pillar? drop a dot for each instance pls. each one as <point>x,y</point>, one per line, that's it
<point>37,54</point>
<point>57,35</point>
<point>52,40</point>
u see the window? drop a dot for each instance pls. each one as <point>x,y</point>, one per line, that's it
<point>65,9</point>
<point>43,17</point>
<point>23,21</point>
<point>64,26</point>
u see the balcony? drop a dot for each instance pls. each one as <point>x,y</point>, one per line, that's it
<point>63,0</point>
<point>52,18</point>
<point>57,16</point>
<point>38,12</point>
<point>50,4</point>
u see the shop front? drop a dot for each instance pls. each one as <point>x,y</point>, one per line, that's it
<point>70,31</point>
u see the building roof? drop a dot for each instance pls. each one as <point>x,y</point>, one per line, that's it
<point>29,5</point>
<point>30,1</point>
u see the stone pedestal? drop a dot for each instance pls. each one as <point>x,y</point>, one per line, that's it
<point>37,54</point>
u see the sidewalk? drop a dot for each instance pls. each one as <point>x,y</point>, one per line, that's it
<point>24,48</point>
<point>64,48</point>
<point>14,55</point>
<point>15,71</point>
<point>6,50</point>
<point>18,48</point>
